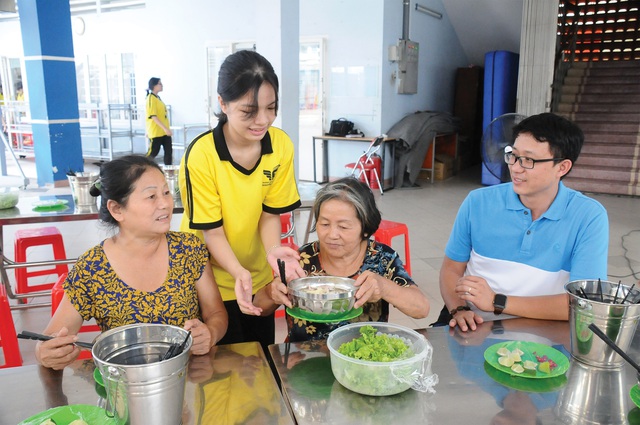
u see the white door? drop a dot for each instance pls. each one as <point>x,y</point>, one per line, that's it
<point>312,52</point>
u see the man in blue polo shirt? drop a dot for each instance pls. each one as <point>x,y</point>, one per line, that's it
<point>514,246</point>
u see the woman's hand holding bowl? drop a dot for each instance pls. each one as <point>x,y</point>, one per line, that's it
<point>371,288</point>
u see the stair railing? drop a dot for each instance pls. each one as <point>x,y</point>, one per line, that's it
<point>566,42</point>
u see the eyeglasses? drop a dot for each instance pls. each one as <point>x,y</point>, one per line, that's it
<point>525,162</point>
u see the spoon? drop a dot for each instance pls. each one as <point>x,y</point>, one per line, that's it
<point>596,330</point>
<point>40,337</point>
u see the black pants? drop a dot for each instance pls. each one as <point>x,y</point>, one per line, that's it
<point>443,319</point>
<point>154,148</point>
<point>244,328</point>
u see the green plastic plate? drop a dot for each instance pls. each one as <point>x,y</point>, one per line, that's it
<point>323,318</point>
<point>530,349</point>
<point>97,376</point>
<point>634,393</point>
<point>50,205</point>
<point>64,415</point>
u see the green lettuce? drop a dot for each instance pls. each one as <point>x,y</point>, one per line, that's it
<point>374,347</point>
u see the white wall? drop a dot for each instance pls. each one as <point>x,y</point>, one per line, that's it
<point>440,55</point>
<point>170,38</point>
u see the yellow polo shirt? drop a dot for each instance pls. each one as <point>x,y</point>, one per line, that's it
<point>156,107</point>
<point>216,191</point>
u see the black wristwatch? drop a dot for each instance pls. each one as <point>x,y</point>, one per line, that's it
<point>499,303</point>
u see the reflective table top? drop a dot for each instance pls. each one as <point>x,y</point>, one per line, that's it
<point>469,390</point>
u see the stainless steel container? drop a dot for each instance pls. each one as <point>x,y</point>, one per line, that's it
<point>171,175</point>
<point>141,388</point>
<point>80,184</point>
<point>601,302</point>
<point>323,294</point>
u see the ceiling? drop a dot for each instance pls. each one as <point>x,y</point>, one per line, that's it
<point>485,25</point>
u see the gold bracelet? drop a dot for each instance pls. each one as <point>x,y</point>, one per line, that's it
<point>269,250</point>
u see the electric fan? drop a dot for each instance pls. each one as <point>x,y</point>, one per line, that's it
<point>497,135</point>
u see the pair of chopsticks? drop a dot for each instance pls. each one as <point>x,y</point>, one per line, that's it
<point>40,337</point>
<point>175,348</point>
<point>282,271</point>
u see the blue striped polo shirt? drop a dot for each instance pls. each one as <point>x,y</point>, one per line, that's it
<point>495,235</point>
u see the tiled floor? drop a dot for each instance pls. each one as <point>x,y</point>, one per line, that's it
<point>429,212</point>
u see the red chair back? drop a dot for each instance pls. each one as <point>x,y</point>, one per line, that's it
<point>8,338</point>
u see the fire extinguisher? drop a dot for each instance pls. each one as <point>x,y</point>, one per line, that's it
<point>375,168</point>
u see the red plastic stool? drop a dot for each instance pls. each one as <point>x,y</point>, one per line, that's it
<point>286,228</point>
<point>26,238</point>
<point>8,338</point>
<point>57,293</point>
<point>390,229</point>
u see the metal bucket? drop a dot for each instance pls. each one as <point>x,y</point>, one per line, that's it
<point>80,184</point>
<point>613,308</point>
<point>171,175</point>
<point>141,389</point>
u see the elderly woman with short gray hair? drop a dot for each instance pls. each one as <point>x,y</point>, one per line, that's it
<point>346,217</point>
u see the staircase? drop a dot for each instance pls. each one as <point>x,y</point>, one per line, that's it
<point>603,98</point>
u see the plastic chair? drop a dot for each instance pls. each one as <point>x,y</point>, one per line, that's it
<point>287,229</point>
<point>57,293</point>
<point>368,164</point>
<point>390,229</point>
<point>27,238</point>
<point>287,239</point>
<point>8,338</point>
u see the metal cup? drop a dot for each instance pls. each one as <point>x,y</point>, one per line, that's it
<point>171,175</point>
<point>80,185</point>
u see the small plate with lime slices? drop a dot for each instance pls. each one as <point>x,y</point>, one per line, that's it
<point>527,359</point>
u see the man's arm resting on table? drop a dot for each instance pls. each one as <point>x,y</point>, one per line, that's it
<point>450,272</point>
<point>549,307</point>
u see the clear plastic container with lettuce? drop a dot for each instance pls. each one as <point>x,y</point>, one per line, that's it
<point>380,359</point>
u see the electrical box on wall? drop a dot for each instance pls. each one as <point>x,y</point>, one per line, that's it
<point>408,66</point>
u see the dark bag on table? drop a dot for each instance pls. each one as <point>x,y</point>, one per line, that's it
<point>340,127</point>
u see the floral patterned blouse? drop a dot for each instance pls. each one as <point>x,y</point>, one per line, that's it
<point>95,290</point>
<point>379,259</point>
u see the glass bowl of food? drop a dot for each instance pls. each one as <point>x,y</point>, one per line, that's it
<point>322,296</point>
<point>9,197</point>
<point>379,359</point>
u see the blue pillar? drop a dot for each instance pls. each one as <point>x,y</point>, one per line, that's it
<point>53,95</point>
